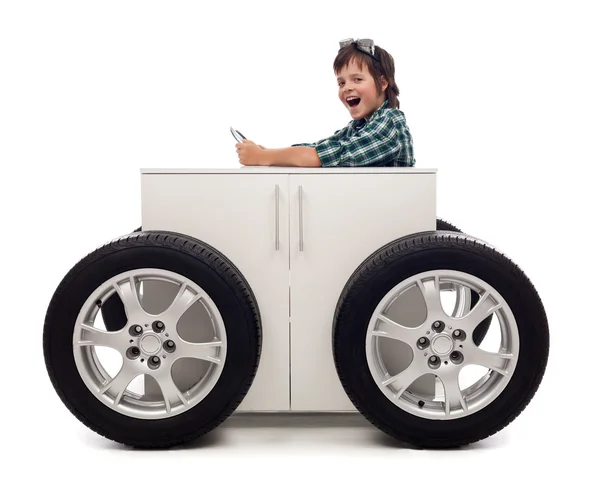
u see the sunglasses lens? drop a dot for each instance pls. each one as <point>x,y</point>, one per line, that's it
<point>367,45</point>
<point>345,43</point>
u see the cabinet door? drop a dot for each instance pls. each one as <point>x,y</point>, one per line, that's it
<point>245,217</point>
<point>338,220</point>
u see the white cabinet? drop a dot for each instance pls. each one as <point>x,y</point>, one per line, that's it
<point>326,220</point>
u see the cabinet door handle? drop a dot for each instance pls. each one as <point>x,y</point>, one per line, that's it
<point>301,234</point>
<point>276,217</point>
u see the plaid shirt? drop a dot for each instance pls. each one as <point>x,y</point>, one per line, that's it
<point>384,141</point>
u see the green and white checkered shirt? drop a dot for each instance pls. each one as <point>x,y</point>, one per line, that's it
<point>382,141</point>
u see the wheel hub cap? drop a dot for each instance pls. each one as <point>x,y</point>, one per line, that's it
<point>442,345</point>
<point>150,344</point>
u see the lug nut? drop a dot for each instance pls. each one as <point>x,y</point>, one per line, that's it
<point>133,352</point>
<point>438,326</point>
<point>136,330</point>
<point>423,342</point>
<point>456,357</point>
<point>158,326</point>
<point>154,362</point>
<point>169,346</point>
<point>434,362</point>
<point>459,334</point>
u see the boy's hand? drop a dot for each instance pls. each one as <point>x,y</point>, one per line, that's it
<point>250,154</point>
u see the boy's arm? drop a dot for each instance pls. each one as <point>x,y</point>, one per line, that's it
<point>301,156</point>
<point>252,155</point>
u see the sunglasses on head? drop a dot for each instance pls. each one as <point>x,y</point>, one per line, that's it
<point>364,45</point>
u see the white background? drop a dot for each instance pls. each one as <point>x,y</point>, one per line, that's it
<point>501,98</point>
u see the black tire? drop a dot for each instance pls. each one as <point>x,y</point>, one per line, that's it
<point>201,264</point>
<point>399,261</point>
<point>481,331</point>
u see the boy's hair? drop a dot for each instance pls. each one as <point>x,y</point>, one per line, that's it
<point>384,67</point>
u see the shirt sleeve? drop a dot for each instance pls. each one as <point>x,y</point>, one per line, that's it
<point>377,143</point>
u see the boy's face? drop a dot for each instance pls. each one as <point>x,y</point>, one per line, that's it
<point>358,92</point>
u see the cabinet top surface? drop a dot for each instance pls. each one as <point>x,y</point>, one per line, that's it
<point>284,170</point>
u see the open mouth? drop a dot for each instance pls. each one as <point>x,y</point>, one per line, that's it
<point>353,101</point>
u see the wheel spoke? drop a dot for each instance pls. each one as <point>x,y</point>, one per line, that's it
<point>183,300</point>
<point>393,330</point>
<point>452,394</point>
<point>206,351</point>
<point>405,378</point>
<point>169,390</point>
<point>129,296</point>
<point>430,288</point>
<point>491,360</point>
<point>485,307</point>
<point>97,337</point>
<point>119,383</point>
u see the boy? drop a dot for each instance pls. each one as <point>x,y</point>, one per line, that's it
<point>377,135</point>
